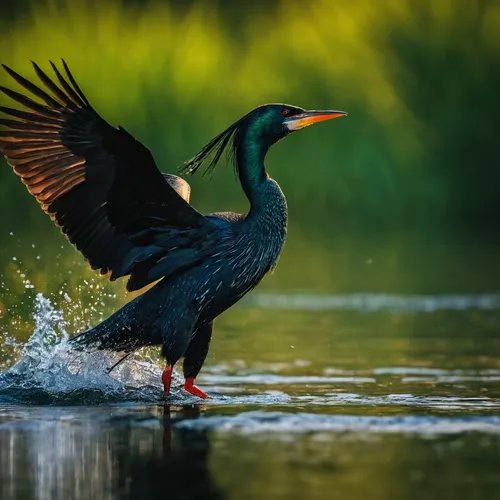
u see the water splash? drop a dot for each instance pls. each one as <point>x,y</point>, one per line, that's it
<point>50,370</point>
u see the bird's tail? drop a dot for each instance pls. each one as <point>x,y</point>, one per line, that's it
<point>117,333</point>
<point>100,338</point>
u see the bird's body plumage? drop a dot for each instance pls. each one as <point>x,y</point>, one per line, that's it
<point>104,190</point>
<point>248,247</point>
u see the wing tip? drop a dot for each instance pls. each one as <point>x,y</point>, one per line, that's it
<point>11,72</point>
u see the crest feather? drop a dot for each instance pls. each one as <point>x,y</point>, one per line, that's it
<point>212,152</point>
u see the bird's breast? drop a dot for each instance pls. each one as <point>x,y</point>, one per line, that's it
<point>241,263</point>
<point>249,248</point>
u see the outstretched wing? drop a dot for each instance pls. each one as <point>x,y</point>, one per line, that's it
<point>100,185</point>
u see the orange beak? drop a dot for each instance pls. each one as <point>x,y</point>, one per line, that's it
<point>307,118</point>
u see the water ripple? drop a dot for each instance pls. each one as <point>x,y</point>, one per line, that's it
<point>432,402</point>
<point>271,379</point>
<point>280,422</point>
<point>372,302</point>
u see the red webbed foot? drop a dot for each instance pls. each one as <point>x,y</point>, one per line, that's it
<point>192,389</point>
<point>166,378</point>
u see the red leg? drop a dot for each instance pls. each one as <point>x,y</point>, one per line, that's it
<point>166,378</point>
<point>192,389</point>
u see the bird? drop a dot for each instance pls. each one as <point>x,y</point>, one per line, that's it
<point>103,189</point>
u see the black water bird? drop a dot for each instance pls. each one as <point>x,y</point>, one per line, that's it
<point>103,189</point>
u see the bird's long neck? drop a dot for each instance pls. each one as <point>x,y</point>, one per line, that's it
<point>250,154</point>
<point>267,201</point>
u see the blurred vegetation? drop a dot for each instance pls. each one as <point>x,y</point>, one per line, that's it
<point>417,155</point>
<point>419,79</point>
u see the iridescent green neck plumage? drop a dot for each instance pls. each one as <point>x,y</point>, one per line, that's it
<point>247,142</point>
<point>251,149</point>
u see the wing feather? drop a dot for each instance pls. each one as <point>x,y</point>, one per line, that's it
<point>99,184</point>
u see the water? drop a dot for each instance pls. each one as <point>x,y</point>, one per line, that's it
<point>346,405</point>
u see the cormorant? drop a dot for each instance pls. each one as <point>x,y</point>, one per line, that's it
<point>103,189</point>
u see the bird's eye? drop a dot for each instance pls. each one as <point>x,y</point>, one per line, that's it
<point>285,112</point>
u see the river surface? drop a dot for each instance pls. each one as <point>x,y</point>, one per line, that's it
<point>351,406</point>
<point>332,392</point>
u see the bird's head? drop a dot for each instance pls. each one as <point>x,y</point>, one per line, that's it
<point>262,127</point>
<point>272,122</point>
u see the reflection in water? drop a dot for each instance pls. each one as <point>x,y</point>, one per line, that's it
<point>128,452</point>
<point>176,467</point>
